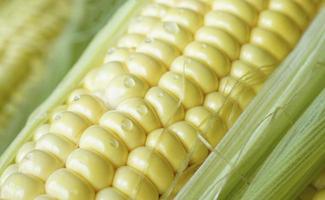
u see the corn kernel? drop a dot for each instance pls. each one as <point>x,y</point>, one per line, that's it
<point>239,8</point>
<point>89,107</point>
<point>229,23</point>
<point>39,164</point>
<point>44,197</point>
<point>23,150</point>
<point>166,106</point>
<point>220,39</point>
<point>271,42</point>
<point>99,78</point>
<point>56,144</point>
<point>130,40</point>
<point>75,94</point>
<point>11,169</point>
<point>188,135</point>
<point>134,184</point>
<point>172,33</point>
<point>103,142</point>
<point>158,49</point>
<point>167,144</point>
<point>187,92</point>
<point>154,10</point>
<point>184,17</point>
<point>211,126</point>
<point>292,9</point>
<point>110,194</point>
<point>280,24</point>
<point>308,6</point>
<point>153,165</point>
<point>210,56</point>
<point>145,67</point>
<point>197,72</point>
<point>142,25</point>
<point>142,112</point>
<point>20,186</point>
<point>258,4</point>
<point>64,184</point>
<point>125,128</point>
<point>196,6</point>
<point>92,167</point>
<point>117,55</point>
<point>69,125</point>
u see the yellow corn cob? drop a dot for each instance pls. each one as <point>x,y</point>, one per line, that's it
<point>140,124</point>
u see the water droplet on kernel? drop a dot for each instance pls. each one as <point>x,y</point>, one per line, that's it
<point>111,51</point>
<point>161,94</point>
<point>142,109</point>
<point>114,143</point>
<point>127,124</point>
<point>129,82</point>
<point>176,76</point>
<point>171,27</point>
<point>148,40</point>
<point>76,98</point>
<point>57,117</point>
<point>204,46</point>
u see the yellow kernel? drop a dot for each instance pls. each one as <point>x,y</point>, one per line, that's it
<point>246,73</point>
<point>117,55</point>
<point>219,39</point>
<point>64,184</point>
<point>293,10</point>
<point>271,42</point>
<point>258,4</point>
<point>240,92</point>
<point>211,126</point>
<point>140,110</point>
<point>224,106</point>
<point>103,142</point>
<point>153,166</point>
<point>131,134</point>
<point>187,92</point>
<point>258,57</point>
<point>167,2</point>
<point>124,87</point>
<point>40,164</point>
<point>167,144</point>
<point>21,187</point>
<point>319,182</point>
<point>40,131</point>
<point>142,25</point>
<point>239,8</point>
<point>69,125</point>
<point>229,23</point>
<point>89,107</point>
<point>196,6</point>
<point>210,56</point>
<point>167,107</point>
<point>11,169</point>
<point>158,49</point>
<point>184,17</point>
<point>188,134</point>
<point>197,72</point>
<point>320,195</point>
<point>145,67</point>
<point>23,150</point>
<point>130,40</point>
<point>44,197</point>
<point>55,112</point>
<point>154,10</point>
<point>172,33</point>
<point>92,167</point>
<point>75,94</point>
<point>134,184</point>
<point>280,24</point>
<point>310,7</point>
<point>55,144</point>
<point>99,78</point>
<point>110,194</point>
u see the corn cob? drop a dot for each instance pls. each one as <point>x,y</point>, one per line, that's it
<point>184,70</point>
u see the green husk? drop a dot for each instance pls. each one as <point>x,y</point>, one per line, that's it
<point>288,92</point>
<point>87,17</point>
<point>296,160</point>
<point>91,57</point>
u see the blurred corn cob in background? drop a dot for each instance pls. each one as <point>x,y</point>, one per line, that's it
<point>39,41</point>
